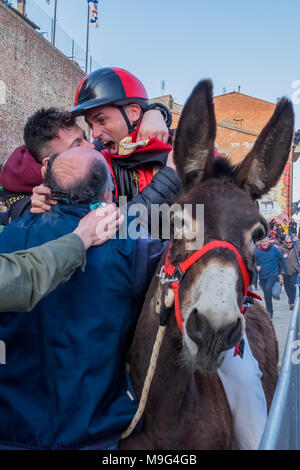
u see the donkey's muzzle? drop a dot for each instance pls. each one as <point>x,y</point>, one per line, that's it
<point>209,341</point>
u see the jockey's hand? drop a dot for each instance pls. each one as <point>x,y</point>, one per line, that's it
<point>170,161</point>
<point>280,278</point>
<point>41,199</point>
<point>153,125</point>
<point>99,225</point>
<point>258,268</point>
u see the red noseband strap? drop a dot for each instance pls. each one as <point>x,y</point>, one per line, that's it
<point>176,273</point>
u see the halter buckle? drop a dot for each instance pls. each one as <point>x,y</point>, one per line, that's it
<point>177,276</point>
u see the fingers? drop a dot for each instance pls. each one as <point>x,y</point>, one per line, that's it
<point>108,224</point>
<point>110,229</point>
<point>109,209</point>
<point>162,136</point>
<point>41,190</point>
<point>99,225</point>
<point>41,200</point>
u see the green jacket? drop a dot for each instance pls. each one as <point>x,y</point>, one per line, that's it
<point>28,275</point>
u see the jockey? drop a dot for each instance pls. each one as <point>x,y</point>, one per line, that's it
<point>113,102</point>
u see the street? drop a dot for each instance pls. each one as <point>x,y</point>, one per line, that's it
<point>281,320</point>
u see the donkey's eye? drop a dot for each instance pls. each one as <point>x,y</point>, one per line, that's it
<point>258,234</point>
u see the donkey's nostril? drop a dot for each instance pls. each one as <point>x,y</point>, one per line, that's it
<point>234,333</point>
<point>197,327</point>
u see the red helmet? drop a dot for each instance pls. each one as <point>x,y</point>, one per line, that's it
<point>109,85</point>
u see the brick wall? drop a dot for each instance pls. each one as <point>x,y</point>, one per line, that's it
<point>175,108</point>
<point>33,74</point>
<point>240,118</point>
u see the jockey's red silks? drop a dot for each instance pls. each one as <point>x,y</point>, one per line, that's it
<point>154,145</point>
<point>181,268</point>
<point>145,172</point>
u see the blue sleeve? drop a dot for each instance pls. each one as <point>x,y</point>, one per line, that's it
<point>281,261</point>
<point>148,254</point>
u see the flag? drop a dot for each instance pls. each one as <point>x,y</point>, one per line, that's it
<point>93,5</point>
<point>21,6</point>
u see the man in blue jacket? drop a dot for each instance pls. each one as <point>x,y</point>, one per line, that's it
<point>64,384</point>
<point>270,264</point>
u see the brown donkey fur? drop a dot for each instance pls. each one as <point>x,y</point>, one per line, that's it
<point>187,407</point>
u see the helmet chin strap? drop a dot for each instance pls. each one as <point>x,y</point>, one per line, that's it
<point>131,127</point>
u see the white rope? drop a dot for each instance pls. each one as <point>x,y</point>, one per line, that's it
<point>147,383</point>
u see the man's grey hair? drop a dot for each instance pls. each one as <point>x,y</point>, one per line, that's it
<point>89,189</point>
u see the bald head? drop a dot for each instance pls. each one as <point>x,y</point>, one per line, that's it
<point>73,165</point>
<point>80,174</point>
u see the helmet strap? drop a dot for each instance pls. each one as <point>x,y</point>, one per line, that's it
<point>131,127</point>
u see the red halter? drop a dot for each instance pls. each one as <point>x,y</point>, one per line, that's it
<point>177,272</point>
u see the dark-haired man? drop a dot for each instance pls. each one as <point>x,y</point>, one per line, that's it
<point>47,131</point>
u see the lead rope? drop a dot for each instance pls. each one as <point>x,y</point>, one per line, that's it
<point>162,311</point>
<point>147,383</point>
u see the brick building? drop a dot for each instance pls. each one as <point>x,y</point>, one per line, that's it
<point>33,74</point>
<point>240,118</point>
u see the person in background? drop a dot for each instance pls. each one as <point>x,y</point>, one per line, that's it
<point>281,234</point>
<point>270,265</point>
<point>293,227</point>
<point>285,226</point>
<point>290,277</point>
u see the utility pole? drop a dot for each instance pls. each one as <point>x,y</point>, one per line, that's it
<point>54,23</point>
<point>87,38</point>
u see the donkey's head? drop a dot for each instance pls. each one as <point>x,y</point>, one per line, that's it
<point>211,292</point>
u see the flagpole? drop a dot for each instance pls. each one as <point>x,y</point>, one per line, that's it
<point>87,38</point>
<point>54,23</point>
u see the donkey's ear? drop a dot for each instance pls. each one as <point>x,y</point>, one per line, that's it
<point>195,135</point>
<point>262,167</point>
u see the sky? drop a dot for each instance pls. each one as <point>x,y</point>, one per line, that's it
<point>254,45</point>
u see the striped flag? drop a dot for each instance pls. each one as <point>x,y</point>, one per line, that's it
<point>93,4</point>
<point>21,6</point>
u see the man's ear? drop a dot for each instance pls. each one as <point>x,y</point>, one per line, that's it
<point>44,166</point>
<point>133,112</point>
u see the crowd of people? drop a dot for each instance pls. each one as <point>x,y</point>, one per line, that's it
<point>66,385</point>
<point>277,262</point>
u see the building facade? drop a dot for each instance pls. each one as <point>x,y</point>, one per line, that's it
<point>33,74</point>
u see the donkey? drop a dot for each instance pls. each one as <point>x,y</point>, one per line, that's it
<point>187,406</point>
